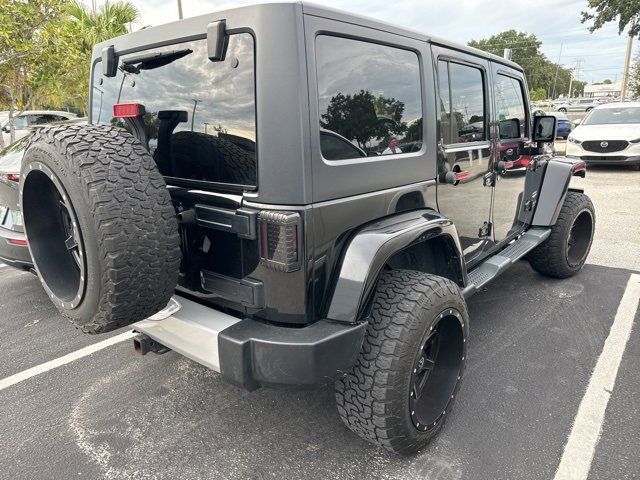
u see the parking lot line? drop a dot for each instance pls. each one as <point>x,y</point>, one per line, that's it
<point>59,362</point>
<point>587,427</point>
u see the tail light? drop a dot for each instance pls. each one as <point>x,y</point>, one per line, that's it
<point>128,110</point>
<point>16,241</point>
<point>11,177</point>
<point>280,235</point>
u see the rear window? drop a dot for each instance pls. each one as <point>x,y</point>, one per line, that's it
<point>216,142</point>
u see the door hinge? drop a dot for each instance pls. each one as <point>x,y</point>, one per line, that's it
<point>485,229</point>
<point>489,179</point>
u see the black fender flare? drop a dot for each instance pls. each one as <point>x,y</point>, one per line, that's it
<point>372,246</point>
<point>555,185</point>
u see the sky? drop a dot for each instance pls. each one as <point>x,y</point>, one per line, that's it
<point>555,22</point>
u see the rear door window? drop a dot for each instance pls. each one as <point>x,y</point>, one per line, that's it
<point>370,95</point>
<point>462,103</point>
<point>213,138</point>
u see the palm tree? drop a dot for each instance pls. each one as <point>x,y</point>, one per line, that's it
<point>112,19</point>
<point>91,26</point>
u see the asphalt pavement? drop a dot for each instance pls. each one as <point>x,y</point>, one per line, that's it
<point>534,343</point>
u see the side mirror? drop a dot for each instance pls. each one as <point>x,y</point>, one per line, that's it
<point>509,128</point>
<point>544,129</point>
<point>217,40</point>
<point>578,121</point>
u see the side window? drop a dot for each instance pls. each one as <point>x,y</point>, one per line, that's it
<point>370,95</point>
<point>509,105</point>
<point>462,103</point>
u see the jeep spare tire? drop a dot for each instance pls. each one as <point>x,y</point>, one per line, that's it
<point>204,157</point>
<point>100,225</point>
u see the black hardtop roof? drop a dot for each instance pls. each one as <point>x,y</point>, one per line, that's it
<point>308,8</point>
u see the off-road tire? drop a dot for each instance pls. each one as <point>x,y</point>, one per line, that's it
<point>550,257</point>
<point>232,163</point>
<point>126,222</point>
<point>373,398</point>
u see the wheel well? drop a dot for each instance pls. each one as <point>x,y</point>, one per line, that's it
<point>437,256</point>
<point>410,201</point>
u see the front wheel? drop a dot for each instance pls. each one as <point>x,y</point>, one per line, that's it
<point>563,110</point>
<point>564,253</point>
<point>406,378</point>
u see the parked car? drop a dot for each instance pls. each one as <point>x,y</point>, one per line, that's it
<point>609,135</point>
<point>564,124</point>
<point>577,105</point>
<point>13,241</point>
<point>283,267</point>
<point>23,120</point>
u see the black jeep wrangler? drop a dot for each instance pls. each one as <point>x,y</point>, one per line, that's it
<point>294,197</point>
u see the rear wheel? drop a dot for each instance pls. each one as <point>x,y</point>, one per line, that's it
<point>564,253</point>
<point>406,378</point>
<point>100,225</point>
<point>562,109</point>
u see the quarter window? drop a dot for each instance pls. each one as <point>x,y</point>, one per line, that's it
<point>509,105</point>
<point>369,95</point>
<point>462,103</point>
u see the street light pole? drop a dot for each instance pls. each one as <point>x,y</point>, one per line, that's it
<point>193,114</point>
<point>627,62</point>
<point>180,9</point>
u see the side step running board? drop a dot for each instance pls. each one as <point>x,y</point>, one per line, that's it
<point>494,266</point>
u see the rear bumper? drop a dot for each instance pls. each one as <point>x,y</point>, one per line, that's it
<point>14,255</point>
<point>251,354</point>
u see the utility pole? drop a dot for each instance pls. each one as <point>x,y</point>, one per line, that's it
<point>553,95</point>
<point>179,9</point>
<point>507,53</point>
<point>627,62</point>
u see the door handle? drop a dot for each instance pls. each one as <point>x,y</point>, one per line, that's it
<point>453,178</point>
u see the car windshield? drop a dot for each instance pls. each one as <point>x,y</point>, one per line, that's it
<point>612,116</point>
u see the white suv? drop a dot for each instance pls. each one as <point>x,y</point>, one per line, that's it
<point>609,134</point>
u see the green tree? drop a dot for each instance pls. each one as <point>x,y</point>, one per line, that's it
<point>634,78</point>
<point>539,70</point>
<point>539,94</point>
<point>355,118</point>
<point>33,45</point>
<point>111,20</point>
<point>607,82</point>
<point>624,12</point>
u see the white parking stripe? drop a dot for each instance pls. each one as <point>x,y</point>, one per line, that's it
<point>587,427</point>
<point>58,362</point>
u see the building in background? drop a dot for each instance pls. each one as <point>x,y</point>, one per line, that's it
<point>603,90</point>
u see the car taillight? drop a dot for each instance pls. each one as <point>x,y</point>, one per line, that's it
<point>11,177</point>
<point>15,241</point>
<point>128,110</point>
<point>280,240</point>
